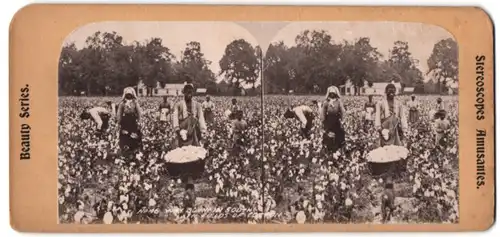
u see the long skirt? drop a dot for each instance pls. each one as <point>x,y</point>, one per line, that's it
<point>209,116</point>
<point>413,117</point>
<point>332,144</point>
<point>130,135</point>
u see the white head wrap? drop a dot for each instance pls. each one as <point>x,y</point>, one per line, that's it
<point>332,89</point>
<point>129,90</point>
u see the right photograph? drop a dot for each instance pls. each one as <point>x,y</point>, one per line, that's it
<point>361,123</point>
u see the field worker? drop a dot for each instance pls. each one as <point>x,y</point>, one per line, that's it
<point>439,108</point>
<point>128,120</point>
<point>208,108</point>
<point>238,128</point>
<point>387,203</point>
<point>390,118</point>
<point>369,113</point>
<point>413,107</point>
<point>441,128</point>
<point>99,115</point>
<point>165,110</point>
<point>332,113</point>
<point>188,120</point>
<point>234,109</point>
<point>112,107</point>
<point>305,115</point>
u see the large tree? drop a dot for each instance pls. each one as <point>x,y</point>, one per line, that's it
<point>70,82</point>
<point>239,64</point>
<point>314,60</point>
<point>443,63</point>
<point>401,60</point>
<point>153,63</point>
<point>196,67</point>
<point>359,62</point>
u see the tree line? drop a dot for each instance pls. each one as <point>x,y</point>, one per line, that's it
<point>105,65</point>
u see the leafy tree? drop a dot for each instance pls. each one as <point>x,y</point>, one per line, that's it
<point>443,63</point>
<point>401,60</point>
<point>359,62</point>
<point>195,66</point>
<point>239,64</point>
<point>69,79</point>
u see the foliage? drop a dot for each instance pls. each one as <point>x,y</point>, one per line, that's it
<point>106,64</point>
<point>443,63</point>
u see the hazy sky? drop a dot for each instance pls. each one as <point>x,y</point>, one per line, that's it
<point>214,36</point>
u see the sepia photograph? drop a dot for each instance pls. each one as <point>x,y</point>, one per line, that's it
<point>361,123</point>
<point>258,122</point>
<point>160,122</point>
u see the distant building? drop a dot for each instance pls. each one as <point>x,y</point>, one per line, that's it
<point>201,91</point>
<point>166,90</point>
<point>408,90</point>
<point>377,88</point>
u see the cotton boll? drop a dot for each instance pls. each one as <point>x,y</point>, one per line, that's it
<point>348,202</point>
<point>300,217</point>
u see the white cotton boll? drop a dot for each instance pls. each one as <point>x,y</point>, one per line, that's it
<point>300,217</point>
<point>108,218</point>
<point>343,186</point>
<point>123,198</point>
<point>314,160</point>
<point>415,188</point>
<point>152,202</point>
<point>147,186</point>
<point>348,202</point>
<point>417,181</point>
<point>251,151</point>
<point>450,193</point>
<point>78,216</point>
<point>179,181</point>
<point>436,188</point>
<point>318,197</point>
<point>305,204</point>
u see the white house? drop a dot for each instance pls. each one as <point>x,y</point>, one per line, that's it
<point>378,88</point>
<point>408,90</point>
<point>167,90</point>
<point>201,91</point>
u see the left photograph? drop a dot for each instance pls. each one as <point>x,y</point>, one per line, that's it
<point>160,122</point>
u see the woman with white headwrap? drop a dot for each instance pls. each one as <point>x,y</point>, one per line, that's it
<point>127,118</point>
<point>332,113</point>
